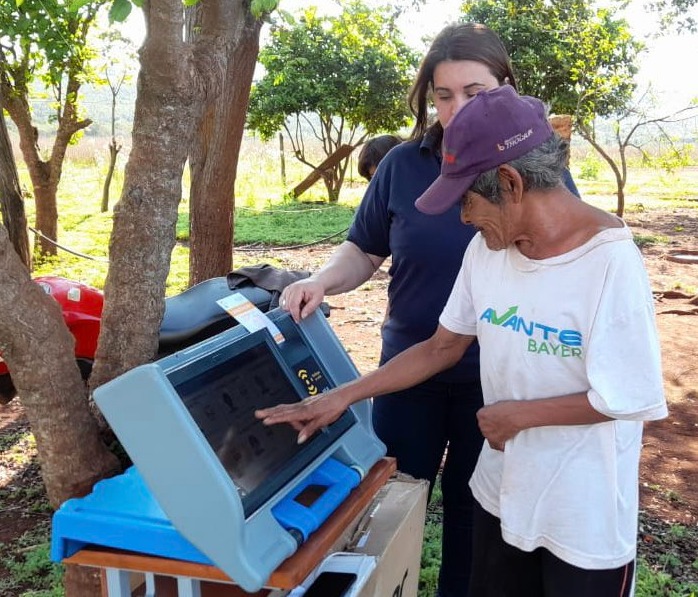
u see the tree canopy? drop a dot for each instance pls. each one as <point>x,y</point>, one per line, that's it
<point>582,61</point>
<point>579,59</point>
<point>676,14</point>
<point>351,72</point>
<point>44,40</point>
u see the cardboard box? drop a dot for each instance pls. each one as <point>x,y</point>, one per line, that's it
<point>392,529</point>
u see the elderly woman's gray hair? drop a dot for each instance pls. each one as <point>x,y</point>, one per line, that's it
<point>540,168</point>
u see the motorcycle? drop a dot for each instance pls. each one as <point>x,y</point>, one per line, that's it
<point>190,317</point>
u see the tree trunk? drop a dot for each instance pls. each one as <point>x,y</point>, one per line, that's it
<point>39,173</point>
<point>80,581</point>
<point>143,235</point>
<point>11,202</point>
<point>620,179</point>
<point>330,179</point>
<point>282,160</point>
<point>45,175</point>
<point>620,193</point>
<point>113,153</point>
<point>46,212</point>
<point>214,153</point>
<point>334,178</point>
<point>39,349</point>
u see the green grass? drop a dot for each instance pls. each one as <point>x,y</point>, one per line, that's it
<point>284,224</point>
<point>646,240</point>
<point>431,546</point>
<point>651,582</point>
<point>30,565</point>
<point>292,224</point>
<point>645,188</point>
<point>264,215</point>
<point>27,569</point>
<point>17,448</point>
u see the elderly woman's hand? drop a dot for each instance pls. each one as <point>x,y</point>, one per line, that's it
<point>498,422</point>
<point>308,415</point>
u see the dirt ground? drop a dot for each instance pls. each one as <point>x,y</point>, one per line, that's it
<point>669,467</point>
<point>669,470</point>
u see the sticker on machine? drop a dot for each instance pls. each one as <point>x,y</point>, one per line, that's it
<point>248,316</point>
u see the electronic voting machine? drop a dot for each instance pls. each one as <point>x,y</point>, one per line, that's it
<point>210,483</point>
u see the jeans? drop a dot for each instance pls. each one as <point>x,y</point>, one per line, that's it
<point>418,425</point>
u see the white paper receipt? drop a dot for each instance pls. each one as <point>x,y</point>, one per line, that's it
<point>249,316</point>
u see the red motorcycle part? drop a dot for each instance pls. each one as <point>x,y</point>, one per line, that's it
<point>82,311</point>
<point>81,306</point>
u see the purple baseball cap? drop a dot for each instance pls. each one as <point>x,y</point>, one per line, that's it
<point>495,127</point>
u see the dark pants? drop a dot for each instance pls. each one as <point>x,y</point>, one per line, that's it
<point>417,425</point>
<point>501,570</point>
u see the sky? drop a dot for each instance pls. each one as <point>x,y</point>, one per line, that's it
<point>668,64</point>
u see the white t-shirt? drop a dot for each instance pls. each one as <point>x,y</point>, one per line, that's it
<point>578,322</point>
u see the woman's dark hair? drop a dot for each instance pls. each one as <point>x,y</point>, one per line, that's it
<point>461,41</point>
<point>374,151</point>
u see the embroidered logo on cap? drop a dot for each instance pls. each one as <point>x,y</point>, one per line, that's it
<point>515,140</point>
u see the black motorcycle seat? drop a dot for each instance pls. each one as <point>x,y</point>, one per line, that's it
<point>194,310</point>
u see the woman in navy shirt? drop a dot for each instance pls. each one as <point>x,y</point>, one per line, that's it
<point>420,424</point>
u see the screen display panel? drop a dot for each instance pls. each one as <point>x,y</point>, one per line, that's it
<point>221,394</point>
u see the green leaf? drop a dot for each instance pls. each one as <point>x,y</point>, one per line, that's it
<point>579,58</point>
<point>261,7</point>
<point>119,11</point>
<point>138,3</point>
<point>19,3</point>
<point>75,5</point>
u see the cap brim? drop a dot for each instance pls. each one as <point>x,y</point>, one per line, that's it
<point>443,194</point>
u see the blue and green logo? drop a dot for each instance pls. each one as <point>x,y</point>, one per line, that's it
<point>542,338</point>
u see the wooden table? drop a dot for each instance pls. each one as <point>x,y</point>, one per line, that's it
<point>167,577</point>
